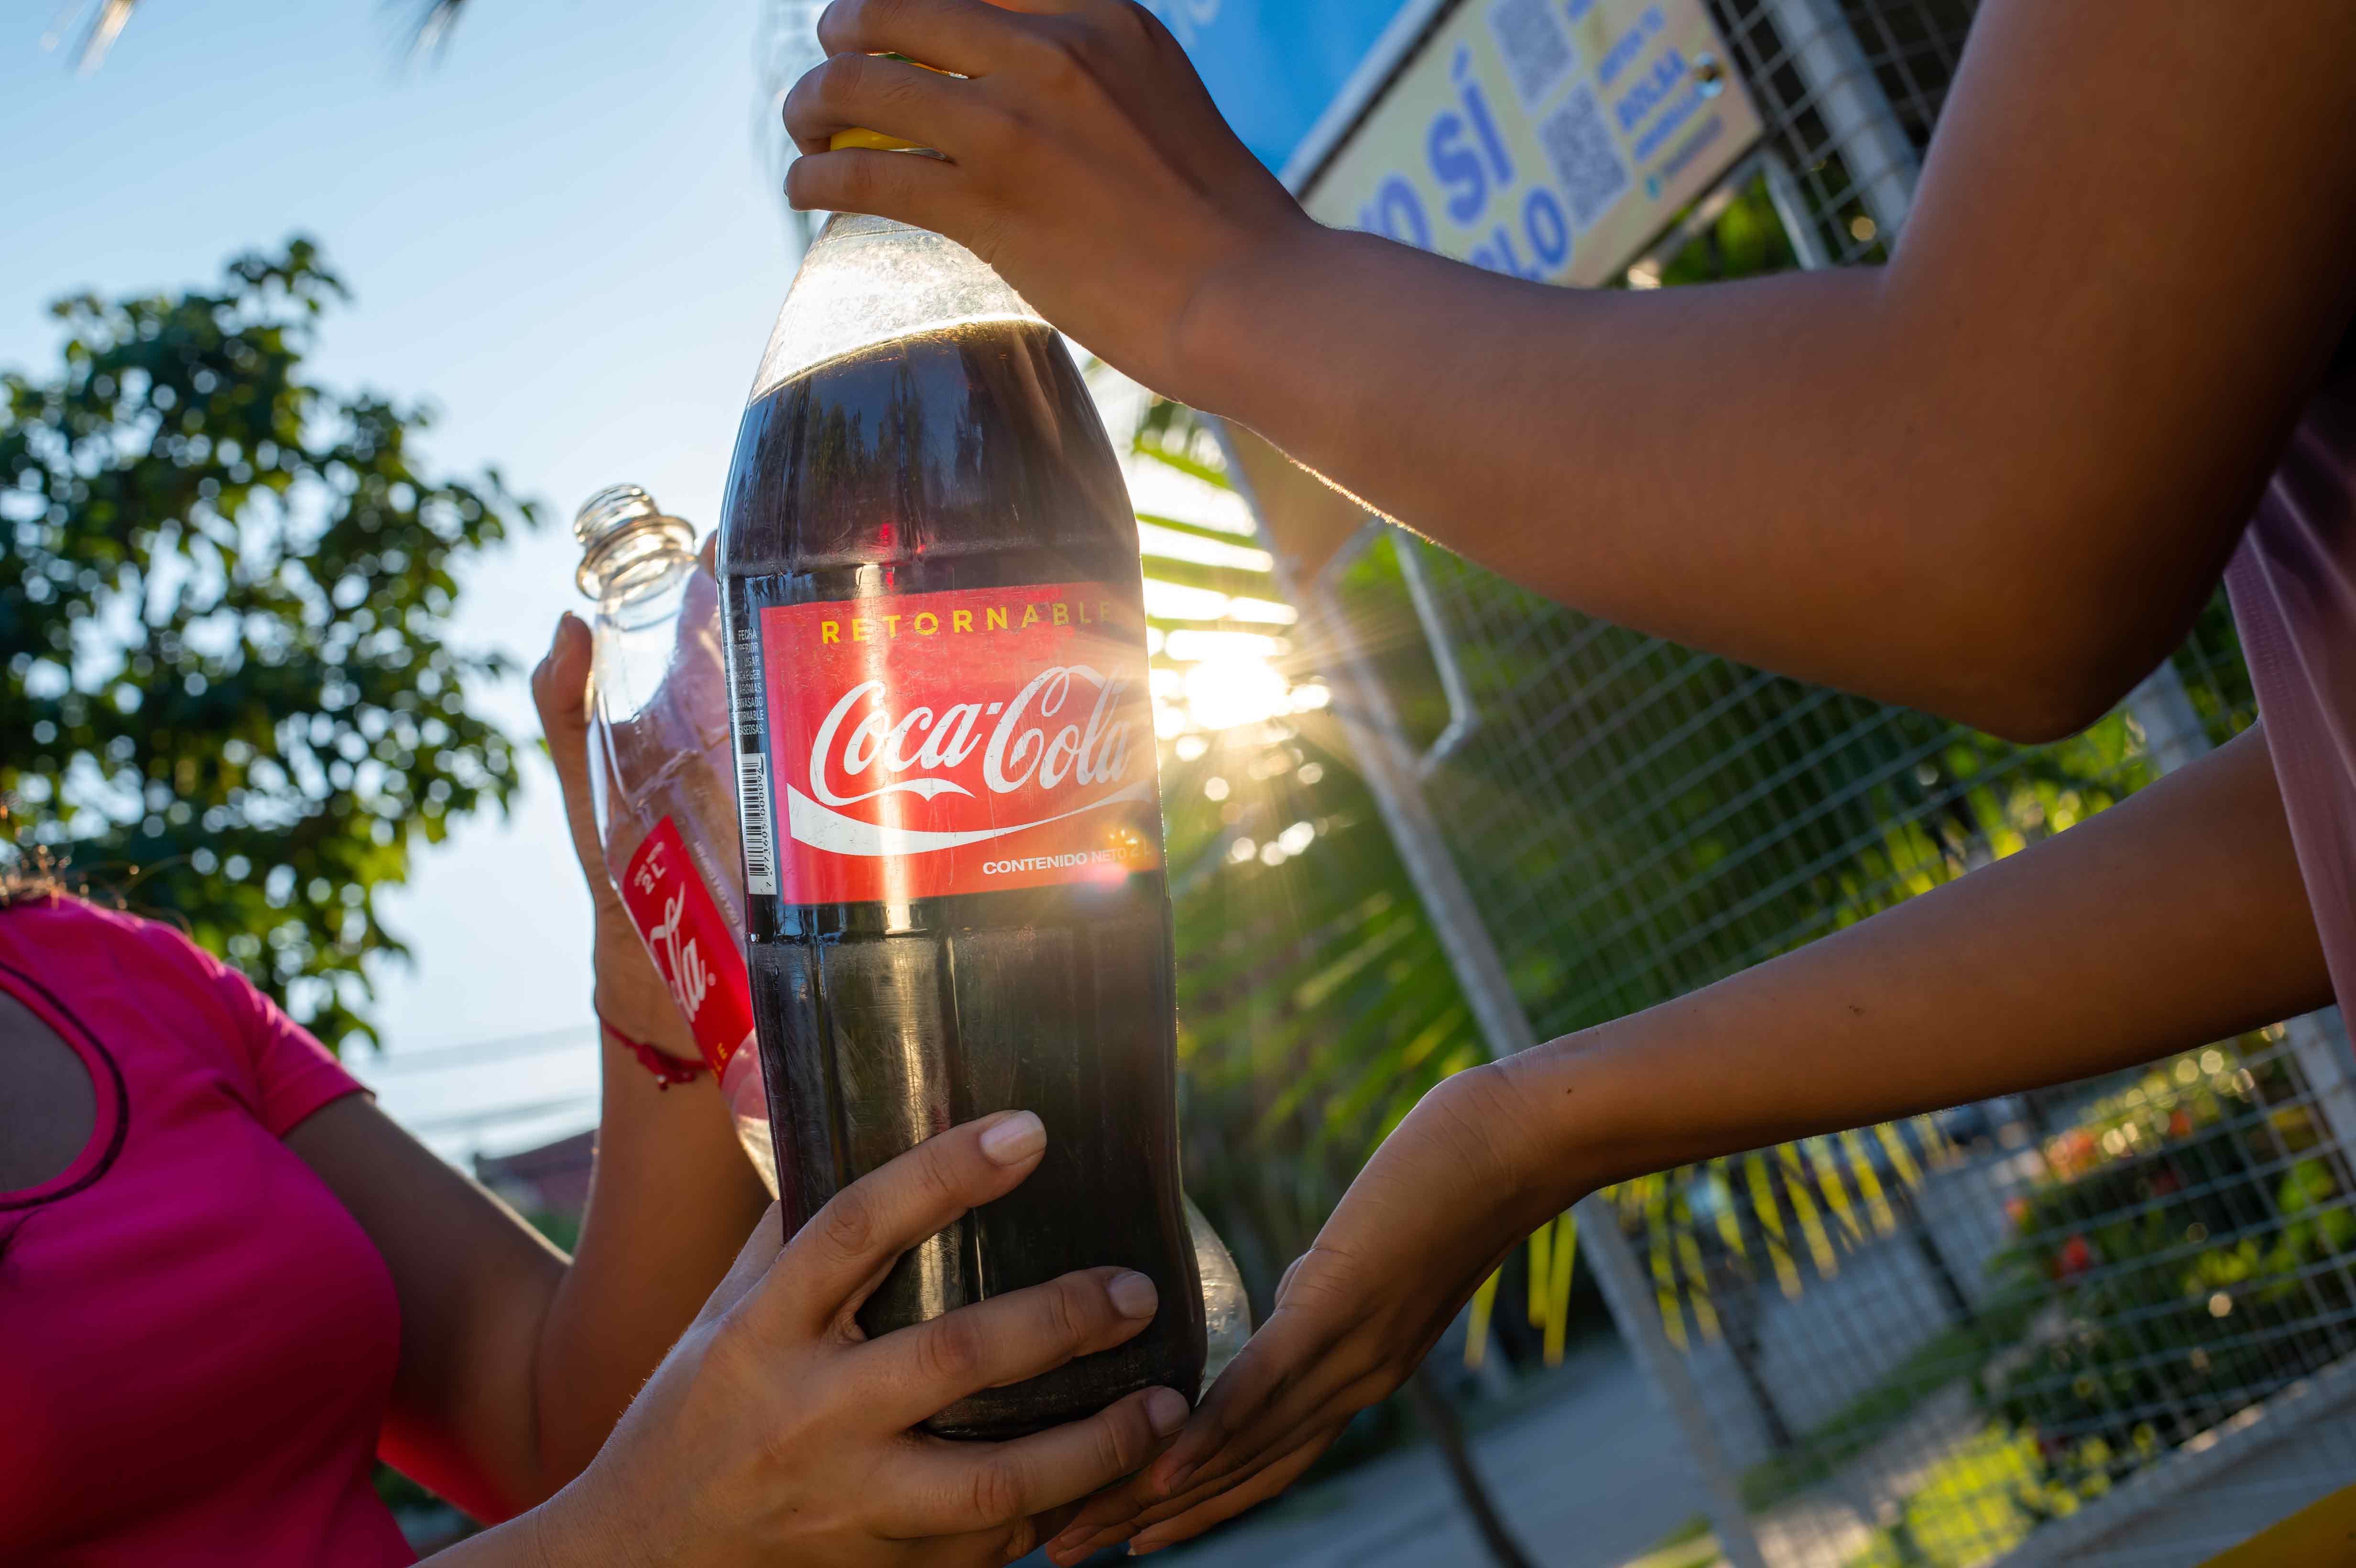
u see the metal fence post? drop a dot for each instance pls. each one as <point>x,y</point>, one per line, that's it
<point>1840,82</point>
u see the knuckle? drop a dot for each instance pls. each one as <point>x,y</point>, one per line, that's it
<point>940,1173</point>
<point>840,23</point>
<point>848,1223</point>
<point>832,84</point>
<point>949,1352</point>
<point>1059,57</point>
<point>867,184</point>
<point>801,112</point>
<point>731,1354</point>
<point>1126,1438</point>
<point>893,90</point>
<point>1069,1311</point>
<point>995,1492</point>
<point>871,21</point>
<point>853,187</point>
<point>998,136</point>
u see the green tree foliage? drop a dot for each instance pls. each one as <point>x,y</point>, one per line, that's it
<point>226,685</point>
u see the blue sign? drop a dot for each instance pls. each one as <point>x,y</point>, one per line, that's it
<point>1275,66</point>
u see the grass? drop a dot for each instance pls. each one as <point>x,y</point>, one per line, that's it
<point>1940,1361</point>
<point>1978,1502</point>
<point>1690,1545</point>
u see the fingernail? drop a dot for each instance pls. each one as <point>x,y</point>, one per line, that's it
<point>1165,1410</point>
<point>1177,1479</point>
<point>1015,1139</point>
<point>1132,1293</point>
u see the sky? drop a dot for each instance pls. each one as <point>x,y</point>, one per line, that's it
<point>564,236</point>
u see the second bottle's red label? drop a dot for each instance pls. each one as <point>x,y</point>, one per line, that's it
<point>698,956</point>
<point>940,744</point>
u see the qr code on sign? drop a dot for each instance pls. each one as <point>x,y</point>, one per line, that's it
<point>1536,51</point>
<point>1585,163</point>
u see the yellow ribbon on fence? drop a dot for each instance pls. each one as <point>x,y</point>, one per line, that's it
<point>1476,1334</point>
<point>1566,1254</point>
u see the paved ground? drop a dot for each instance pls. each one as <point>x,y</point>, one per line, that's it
<point>1589,1479</point>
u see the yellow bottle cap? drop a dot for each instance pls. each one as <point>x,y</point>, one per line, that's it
<point>860,136</point>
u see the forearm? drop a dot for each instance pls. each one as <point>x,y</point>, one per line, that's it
<point>1999,533</point>
<point>1995,478</point>
<point>672,1196</point>
<point>1608,448</point>
<point>2174,919</point>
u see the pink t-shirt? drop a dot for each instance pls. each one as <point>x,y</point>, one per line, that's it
<point>2293,583</point>
<point>197,1339</point>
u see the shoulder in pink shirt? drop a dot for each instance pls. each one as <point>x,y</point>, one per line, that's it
<point>201,1340</point>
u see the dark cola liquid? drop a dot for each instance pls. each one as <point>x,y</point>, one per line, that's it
<point>966,460</point>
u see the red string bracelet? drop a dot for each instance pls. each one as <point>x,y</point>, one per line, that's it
<point>667,1069</point>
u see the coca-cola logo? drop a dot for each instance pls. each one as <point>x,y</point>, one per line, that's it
<point>964,719</point>
<point>1035,743</point>
<point>677,957</point>
<point>1019,750</point>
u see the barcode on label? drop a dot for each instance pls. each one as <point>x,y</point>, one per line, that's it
<point>753,811</point>
<point>745,685</point>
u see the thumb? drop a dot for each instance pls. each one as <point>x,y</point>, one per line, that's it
<point>560,690</point>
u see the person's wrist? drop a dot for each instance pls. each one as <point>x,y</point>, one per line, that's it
<point>566,1534</point>
<point>1564,1126</point>
<point>1219,341</point>
<point>628,996</point>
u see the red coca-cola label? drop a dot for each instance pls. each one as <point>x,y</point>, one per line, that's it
<point>937,743</point>
<point>693,950</point>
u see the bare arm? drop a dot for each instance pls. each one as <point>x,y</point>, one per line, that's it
<point>514,1365</point>
<point>2174,919</point>
<point>775,1432</point>
<point>1995,479</point>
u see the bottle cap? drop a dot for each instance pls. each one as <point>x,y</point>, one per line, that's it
<point>877,141</point>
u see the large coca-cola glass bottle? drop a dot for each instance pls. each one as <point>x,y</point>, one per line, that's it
<point>660,772</point>
<point>952,824</point>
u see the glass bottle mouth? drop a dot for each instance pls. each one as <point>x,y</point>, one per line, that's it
<point>620,528</point>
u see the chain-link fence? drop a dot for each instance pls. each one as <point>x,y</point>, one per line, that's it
<point>2111,1323</point>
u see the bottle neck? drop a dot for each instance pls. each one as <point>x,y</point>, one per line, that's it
<point>635,568</point>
